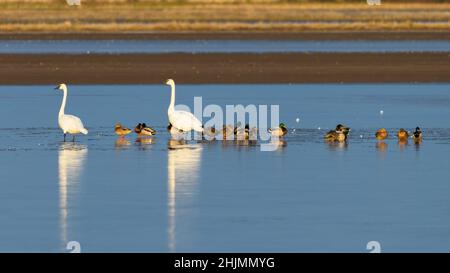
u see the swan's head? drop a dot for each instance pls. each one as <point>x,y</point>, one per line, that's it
<point>62,86</point>
<point>170,82</point>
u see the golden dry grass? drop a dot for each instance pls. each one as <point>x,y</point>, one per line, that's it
<point>220,16</point>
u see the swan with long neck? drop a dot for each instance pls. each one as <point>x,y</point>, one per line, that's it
<point>181,120</point>
<point>69,124</point>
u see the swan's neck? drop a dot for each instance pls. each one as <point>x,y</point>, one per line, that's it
<point>172,99</point>
<point>63,104</point>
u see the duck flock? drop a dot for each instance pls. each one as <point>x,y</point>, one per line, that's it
<point>183,121</point>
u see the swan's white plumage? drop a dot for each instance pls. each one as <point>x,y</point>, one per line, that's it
<point>69,124</point>
<point>182,120</point>
<point>185,121</point>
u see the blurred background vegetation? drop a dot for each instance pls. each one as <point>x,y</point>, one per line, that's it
<point>222,15</point>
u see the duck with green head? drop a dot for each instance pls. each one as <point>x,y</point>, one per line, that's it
<point>143,130</point>
<point>417,135</point>
<point>279,131</point>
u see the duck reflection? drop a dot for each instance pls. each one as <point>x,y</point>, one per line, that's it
<point>381,146</point>
<point>337,146</point>
<point>182,175</point>
<point>402,143</point>
<point>275,144</point>
<point>144,142</point>
<point>122,143</point>
<point>71,160</point>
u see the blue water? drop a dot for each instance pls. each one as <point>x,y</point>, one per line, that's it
<point>215,46</point>
<point>166,196</point>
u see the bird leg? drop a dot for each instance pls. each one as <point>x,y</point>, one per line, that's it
<point>73,138</point>
<point>64,137</point>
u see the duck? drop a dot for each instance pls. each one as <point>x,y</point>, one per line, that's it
<point>334,135</point>
<point>280,131</point>
<point>138,128</point>
<point>381,134</point>
<point>242,133</point>
<point>147,131</point>
<point>346,130</point>
<point>253,133</point>
<point>339,134</point>
<point>142,130</point>
<point>120,130</point>
<point>402,134</point>
<point>417,135</point>
<point>210,132</point>
<point>227,131</point>
<point>172,130</point>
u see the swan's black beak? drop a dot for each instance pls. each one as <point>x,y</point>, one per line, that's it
<point>56,88</point>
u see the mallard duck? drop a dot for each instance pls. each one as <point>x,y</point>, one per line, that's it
<point>172,130</point>
<point>210,132</point>
<point>346,130</point>
<point>253,133</point>
<point>227,131</point>
<point>279,131</point>
<point>121,131</point>
<point>334,135</point>
<point>381,134</point>
<point>142,130</point>
<point>417,135</point>
<point>138,128</point>
<point>339,134</point>
<point>402,134</point>
<point>242,133</point>
<point>147,131</point>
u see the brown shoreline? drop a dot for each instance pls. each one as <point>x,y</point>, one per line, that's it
<point>254,35</point>
<point>225,68</point>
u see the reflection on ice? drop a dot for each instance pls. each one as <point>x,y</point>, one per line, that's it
<point>182,175</point>
<point>71,161</point>
<point>122,143</point>
<point>381,146</point>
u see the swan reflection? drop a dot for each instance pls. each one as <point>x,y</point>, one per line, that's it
<point>182,175</point>
<point>71,160</point>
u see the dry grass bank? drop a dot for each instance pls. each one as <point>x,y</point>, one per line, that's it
<point>220,16</point>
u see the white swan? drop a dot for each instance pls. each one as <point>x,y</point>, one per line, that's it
<point>69,124</point>
<point>182,120</point>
